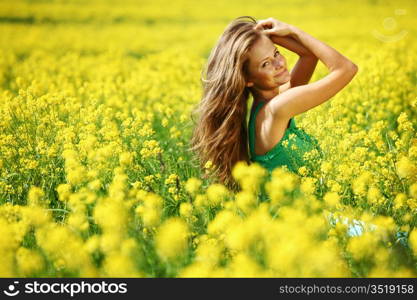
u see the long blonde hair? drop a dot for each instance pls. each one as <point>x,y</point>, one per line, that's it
<point>220,134</point>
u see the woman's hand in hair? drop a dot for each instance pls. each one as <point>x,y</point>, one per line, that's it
<point>273,27</point>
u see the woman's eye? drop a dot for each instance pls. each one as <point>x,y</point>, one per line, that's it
<point>264,65</point>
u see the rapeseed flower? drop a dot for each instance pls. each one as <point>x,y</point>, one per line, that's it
<point>192,185</point>
<point>363,247</point>
<point>413,241</point>
<point>245,201</point>
<point>209,252</point>
<point>126,158</point>
<point>332,200</point>
<point>35,196</point>
<point>406,168</point>
<point>29,261</point>
<point>249,177</point>
<point>413,190</point>
<point>171,239</point>
<point>216,193</point>
<point>186,209</point>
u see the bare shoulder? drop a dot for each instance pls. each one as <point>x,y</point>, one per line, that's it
<point>269,129</point>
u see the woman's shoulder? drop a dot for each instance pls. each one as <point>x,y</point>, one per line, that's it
<point>269,130</point>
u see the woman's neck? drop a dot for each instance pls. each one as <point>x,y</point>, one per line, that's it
<point>264,98</point>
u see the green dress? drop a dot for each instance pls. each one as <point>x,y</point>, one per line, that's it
<point>289,151</point>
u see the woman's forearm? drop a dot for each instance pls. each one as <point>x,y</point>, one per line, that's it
<point>291,44</point>
<point>329,56</point>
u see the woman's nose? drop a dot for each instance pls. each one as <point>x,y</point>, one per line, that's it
<point>277,63</point>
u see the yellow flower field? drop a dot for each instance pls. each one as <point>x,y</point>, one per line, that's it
<point>96,179</point>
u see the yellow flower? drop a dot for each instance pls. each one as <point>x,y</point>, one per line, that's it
<point>126,158</point>
<point>192,185</point>
<point>412,203</point>
<point>186,209</point>
<point>282,181</point>
<point>110,241</point>
<point>28,261</point>
<point>375,196</point>
<point>164,122</point>
<point>149,178</point>
<point>400,200</point>
<point>117,264</point>
<point>361,183</point>
<point>341,228</point>
<point>150,149</point>
<point>209,252</point>
<point>308,185</point>
<point>363,246</point>
<point>110,215</point>
<point>403,123</point>
<point>248,176</point>
<point>413,241</point>
<point>201,200</point>
<point>413,190</point>
<point>412,152</point>
<point>245,201</point>
<point>223,221</point>
<point>76,175</point>
<point>78,220</point>
<point>216,192</point>
<point>326,167</point>
<point>172,179</point>
<point>332,199</point>
<point>36,216</point>
<point>183,117</point>
<point>303,171</point>
<point>335,187</point>
<point>92,244</point>
<point>151,217</point>
<point>208,165</point>
<point>64,191</point>
<point>174,132</point>
<point>406,168</point>
<point>35,195</point>
<point>171,239</point>
<point>151,210</point>
<point>94,185</point>
<point>172,190</point>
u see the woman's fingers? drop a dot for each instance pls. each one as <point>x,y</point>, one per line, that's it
<point>258,26</point>
<point>264,24</point>
<point>272,26</point>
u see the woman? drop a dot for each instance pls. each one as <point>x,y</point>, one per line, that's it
<point>246,62</point>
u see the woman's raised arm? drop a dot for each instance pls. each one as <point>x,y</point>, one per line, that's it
<point>302,98</point>
<point>306,64</point>
<point>329,56</point>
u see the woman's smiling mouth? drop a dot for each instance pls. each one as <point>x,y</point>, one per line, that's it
<point>280,73</point>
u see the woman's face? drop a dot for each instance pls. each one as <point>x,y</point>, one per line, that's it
<point>267,67</point>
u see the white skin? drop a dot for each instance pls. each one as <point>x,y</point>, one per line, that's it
<point>265,64</point>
